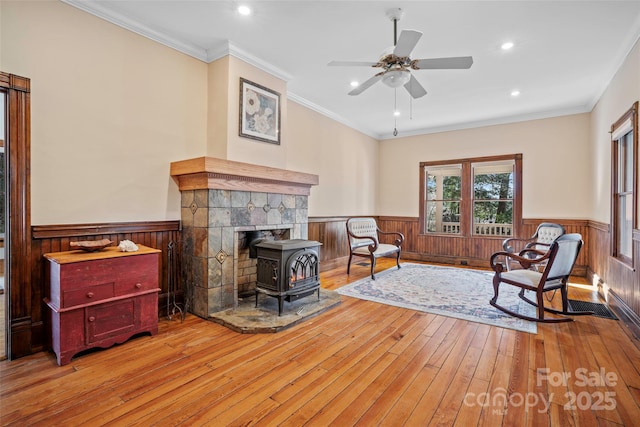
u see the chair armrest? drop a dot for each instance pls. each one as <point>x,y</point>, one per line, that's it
<point>507,243</point>
<point>398,241</point>
<point>520,258</point>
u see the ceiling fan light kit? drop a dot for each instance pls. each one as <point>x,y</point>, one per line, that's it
<point>396,78</point>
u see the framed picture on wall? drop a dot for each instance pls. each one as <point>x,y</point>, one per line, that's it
<point>259,112</point>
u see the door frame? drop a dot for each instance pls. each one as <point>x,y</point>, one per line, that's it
<point>22,310</point>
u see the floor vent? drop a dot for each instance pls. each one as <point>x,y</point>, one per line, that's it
<point>598,309</point>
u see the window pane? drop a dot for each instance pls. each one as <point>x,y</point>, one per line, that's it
<point>443,184</point>
<point>494,218</point>
<point>625,164</point>
<point>493,193</point>
<point>628,164</point>
<point>493,186</point>
<point>442,217</point>
<point>625,217</point>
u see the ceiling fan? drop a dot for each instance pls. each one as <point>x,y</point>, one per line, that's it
<point>397,65</point>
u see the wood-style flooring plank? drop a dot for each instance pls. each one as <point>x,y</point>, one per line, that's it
<point>360,363</point>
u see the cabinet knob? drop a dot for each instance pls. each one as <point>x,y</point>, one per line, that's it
<point>92,319</point>
<point>138,285</point>
<point>89,294</point>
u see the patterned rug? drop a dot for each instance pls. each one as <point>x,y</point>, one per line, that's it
<point>448,291</point>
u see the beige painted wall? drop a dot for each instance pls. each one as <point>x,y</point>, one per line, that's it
<point>556,164</point>
<point>619,96</point>
<point>109,111</point>
<point>218,108</point>
<point>345,159</point>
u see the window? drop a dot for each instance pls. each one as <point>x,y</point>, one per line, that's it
<point>471,196</point>
<point>493,198</point>
<point>443,199</point>
<point>624,134</point>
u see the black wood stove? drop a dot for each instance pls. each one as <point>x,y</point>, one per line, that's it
<point>287,269</point>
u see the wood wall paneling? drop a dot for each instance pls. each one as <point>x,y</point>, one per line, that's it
<point>331,231</point>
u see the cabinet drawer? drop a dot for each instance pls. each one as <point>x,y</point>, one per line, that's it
<point>87,295</point>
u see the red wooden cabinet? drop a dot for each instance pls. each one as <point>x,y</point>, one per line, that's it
<point>101,298</point>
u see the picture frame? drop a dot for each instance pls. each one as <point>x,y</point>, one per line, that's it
<point>259,112</point>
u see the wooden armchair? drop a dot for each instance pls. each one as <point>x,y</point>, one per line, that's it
<point>364,241</point>
<point>558,260</point>
<point>541,240</point>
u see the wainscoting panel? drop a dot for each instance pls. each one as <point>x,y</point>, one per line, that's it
<point>473,251</point>
<point>332,233</point>
<point>56,238</point>
<point>617,282</point>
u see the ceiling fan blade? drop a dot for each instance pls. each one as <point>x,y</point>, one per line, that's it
<point>351,64</point>
<point>366,85</point>
<point>414,88</point>
<point>459,62</point>
<point>406,42</point>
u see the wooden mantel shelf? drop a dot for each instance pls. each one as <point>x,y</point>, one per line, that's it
<point>213,173</point>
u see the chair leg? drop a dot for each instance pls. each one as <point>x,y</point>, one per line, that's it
<point>565,299</point>
<point>398,260</point>
<point>540,304</point>
<point>540,298</point>
<point>349,263</point>
<point>373,266</point>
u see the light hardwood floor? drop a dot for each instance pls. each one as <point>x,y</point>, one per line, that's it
<point>360,363</point>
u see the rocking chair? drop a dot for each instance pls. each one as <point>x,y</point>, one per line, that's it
<point>559,259</point>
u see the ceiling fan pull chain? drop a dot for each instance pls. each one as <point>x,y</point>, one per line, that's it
<point>395,111</point>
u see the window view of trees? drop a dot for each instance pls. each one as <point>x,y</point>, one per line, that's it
<point>493,199</point>
<point>488,186</point>
<point>443,199</point>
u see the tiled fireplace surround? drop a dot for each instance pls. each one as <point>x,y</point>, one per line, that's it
<point>220,201</point>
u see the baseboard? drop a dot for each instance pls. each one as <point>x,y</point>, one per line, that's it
<point>445,259</point>
<point>624,313</point>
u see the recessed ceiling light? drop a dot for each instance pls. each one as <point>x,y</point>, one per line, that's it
<point>354,84</point>
<point>396,113</point>
<point>507,45</point>
<point>244,10</point>
<point>515,93</point>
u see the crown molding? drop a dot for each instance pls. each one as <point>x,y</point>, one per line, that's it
<point>204,55</point>
<point>626,47</point>
<point>330,114</point>
<point>228,48</point>
<point>138,28</point>
<point>489,122</point>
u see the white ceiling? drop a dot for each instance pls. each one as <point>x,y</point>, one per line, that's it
<point>565,53</point>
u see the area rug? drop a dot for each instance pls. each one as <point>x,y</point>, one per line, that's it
<point>448,291</point>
